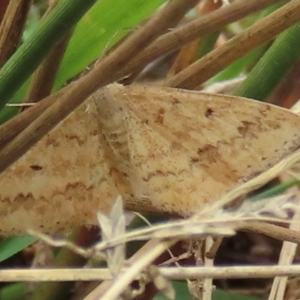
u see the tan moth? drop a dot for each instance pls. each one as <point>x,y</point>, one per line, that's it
<point>169,149</point>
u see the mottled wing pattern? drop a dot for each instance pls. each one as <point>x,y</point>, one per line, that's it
<point>61,182</point>
<point>183,149</point>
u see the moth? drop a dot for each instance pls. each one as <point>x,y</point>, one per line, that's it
<point>162,149</point>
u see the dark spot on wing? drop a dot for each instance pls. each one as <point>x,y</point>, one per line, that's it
<point>208,112</point>
<point>194,159</point>
<point>160,116</point>
<point>247,128</point>
<point>36,167</point>
<point>174,101</point>
<point>208,153</point>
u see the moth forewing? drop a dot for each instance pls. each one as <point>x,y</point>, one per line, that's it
<point>61,182</point>
<point>162,149</point>
<point>185,149</point>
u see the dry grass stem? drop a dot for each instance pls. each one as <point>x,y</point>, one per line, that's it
<point>208,286</point>
<point>256,182</point>
<point>274,231</point>
<point>126,277</point>
<point>256,35</point>
<point>44,77</point>
<point>105,285</point>
<point>173,273</point>
<point>12,27</point>
<point>192,228</point>
<point>88,253</point>
<point>176,229</point>
<point>203,25</point>
<point>288,250</point>
<point>183,228</point>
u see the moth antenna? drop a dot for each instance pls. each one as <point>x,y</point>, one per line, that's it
<point>108,43</point>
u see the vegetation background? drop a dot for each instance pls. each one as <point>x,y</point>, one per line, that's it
<point>50,48</point>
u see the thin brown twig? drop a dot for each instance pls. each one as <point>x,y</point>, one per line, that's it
<point>198,47</point>
<point>274,231</point>
<point>241,44</point>
<point>12,27</point>
<point>14,126</point>
<point>44,77</point>
<point>206,24</point>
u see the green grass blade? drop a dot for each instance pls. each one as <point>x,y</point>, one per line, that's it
<point>273,66</point>
<point>27,58</point>
<point>99,30</point>
<point>12,245</point>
